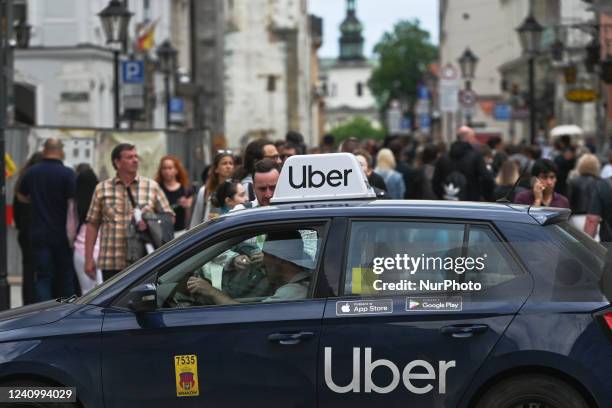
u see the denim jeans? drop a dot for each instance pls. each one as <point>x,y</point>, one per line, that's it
<point>54,270</point>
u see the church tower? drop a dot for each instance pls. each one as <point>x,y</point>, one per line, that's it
<point>351,39</point>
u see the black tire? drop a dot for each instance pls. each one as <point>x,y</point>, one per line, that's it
<point>546,390</point>
<point>34,383</point>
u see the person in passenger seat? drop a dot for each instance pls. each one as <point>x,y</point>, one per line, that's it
<point>285,264</point>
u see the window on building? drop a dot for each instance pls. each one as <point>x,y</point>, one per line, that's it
<point>334,90</point>
<point>271,83</point>
<point>20,11</point>
<point>359,89</point>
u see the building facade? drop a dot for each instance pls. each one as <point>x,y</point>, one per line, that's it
<point>502,76</point>
<point>267,77</point>
<point>73,75</point>
<point>345,79</point>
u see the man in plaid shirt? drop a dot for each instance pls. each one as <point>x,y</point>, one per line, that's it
<point>111,211</point>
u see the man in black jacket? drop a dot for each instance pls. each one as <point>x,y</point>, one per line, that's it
<point>462,174</point>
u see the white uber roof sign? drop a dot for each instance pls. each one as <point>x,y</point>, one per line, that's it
<point>317,177</point>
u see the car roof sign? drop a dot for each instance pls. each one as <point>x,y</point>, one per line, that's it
<point>318,177</point>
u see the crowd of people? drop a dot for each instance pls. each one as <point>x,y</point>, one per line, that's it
<point>76,231</point>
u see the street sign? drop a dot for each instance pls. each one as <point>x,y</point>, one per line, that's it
<point>520,113</point>
<point>581,95</point>
<point>132,72</point>
<point>425,123</point>
<point>133,78</point>
<point>423,106</point>
<point>394,120</point>
<point>176,109</point>
<point>502,111</point>
<point>468,98</point>
<point>449,95</point>
<point>406,124</point>
<point>449,71</point>
<point>423,92</point>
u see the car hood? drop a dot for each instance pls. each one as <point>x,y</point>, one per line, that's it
<point>36,314</point>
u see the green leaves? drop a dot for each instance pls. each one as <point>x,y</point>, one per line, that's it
<point>360,127</point>
<point>404,56</point>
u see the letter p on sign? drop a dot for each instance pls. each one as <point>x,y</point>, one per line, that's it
<point>132,72</point>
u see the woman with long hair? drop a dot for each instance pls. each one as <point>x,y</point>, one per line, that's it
<point>506,179</point>
<point>174,181</point>
<point>221,170</point>
<point>385,167</point>
<point>23,219</point>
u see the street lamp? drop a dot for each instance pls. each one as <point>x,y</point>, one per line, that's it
<point>530,36</point>
<point>22,33</point>
<point>467,63</point>
<point>166,55</point>
<point>115,20</point>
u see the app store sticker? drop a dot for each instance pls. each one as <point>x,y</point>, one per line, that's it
<point>364,307</point>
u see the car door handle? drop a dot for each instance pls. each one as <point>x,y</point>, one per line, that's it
<point>288,339</point>
<point>461,331</point>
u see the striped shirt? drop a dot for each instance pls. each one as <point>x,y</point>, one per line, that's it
<point>112,210</point>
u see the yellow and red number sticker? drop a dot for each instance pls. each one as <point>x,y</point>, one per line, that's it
<point>186,370</point>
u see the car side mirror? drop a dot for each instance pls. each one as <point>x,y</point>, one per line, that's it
<point>143,298</point>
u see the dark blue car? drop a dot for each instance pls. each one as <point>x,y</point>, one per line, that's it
<point>344,303</point>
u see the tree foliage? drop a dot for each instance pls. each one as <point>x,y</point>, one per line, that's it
<point>404,56</point>
<point>359,127</point>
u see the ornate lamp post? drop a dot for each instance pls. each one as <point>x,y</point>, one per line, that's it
<point>467,63</point>
<point>115,20</point>
<point>22,33</point>
<point>530,35</point>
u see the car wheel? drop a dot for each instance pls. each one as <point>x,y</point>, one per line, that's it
<point>33,383</point>
<point>532,391</point>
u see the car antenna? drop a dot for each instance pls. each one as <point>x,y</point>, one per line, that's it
<point>504,199</point>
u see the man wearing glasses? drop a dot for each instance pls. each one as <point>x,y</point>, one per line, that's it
<point>543,192</point>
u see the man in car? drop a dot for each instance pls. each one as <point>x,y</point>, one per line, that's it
<point>285,265</point>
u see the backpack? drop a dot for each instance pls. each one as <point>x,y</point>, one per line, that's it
<point>455,184</point>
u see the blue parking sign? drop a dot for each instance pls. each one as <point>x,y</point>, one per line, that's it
<point>177,105</point>
<point>503,112</point>
<point>132,71</point>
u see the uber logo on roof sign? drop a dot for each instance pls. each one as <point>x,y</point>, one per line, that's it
<point>334,178</point>
<point>317,177</point>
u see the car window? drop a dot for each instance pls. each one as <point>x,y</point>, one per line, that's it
<point>387,258</point>
<point>497,267</point>
<point>257,267</point>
